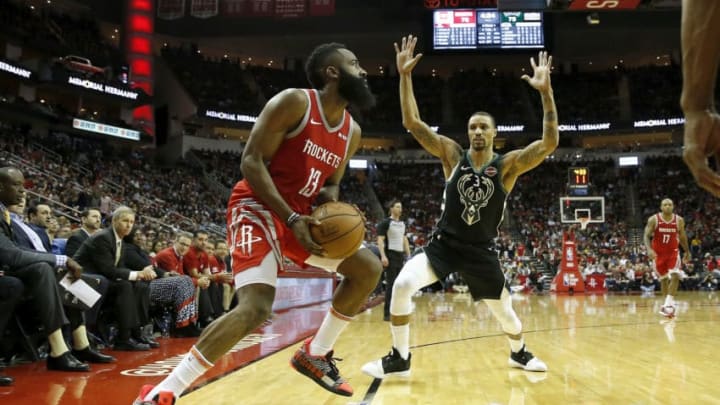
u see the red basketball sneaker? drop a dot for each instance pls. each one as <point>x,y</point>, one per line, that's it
<point>163,398</point>
<point>667,311</point>
<point>320,369</point>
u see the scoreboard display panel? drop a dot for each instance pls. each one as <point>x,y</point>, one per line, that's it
<point>487,29</point>
<point>578,180</point>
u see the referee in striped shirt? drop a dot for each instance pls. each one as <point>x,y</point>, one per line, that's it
<point>394,248</point>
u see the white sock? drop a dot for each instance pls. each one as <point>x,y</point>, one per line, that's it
<point>331,327</point>
<point>669,329</point>
<point>669,301</point>
<point>401,339</point>
<point>192,366</point>
<point>516,345</point>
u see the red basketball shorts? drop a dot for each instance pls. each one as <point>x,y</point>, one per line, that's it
<point>254,231</point>
<point>665,264</point>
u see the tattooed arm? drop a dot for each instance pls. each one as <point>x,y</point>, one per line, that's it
<point>439,146</point>
<point>523,160</point>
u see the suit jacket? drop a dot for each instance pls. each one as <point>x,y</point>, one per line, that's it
<point>74,242</point>
<point>14,258</point>
<point>43,236</point>
<point>21,238</point>
<point>97,255</point>
<point>136,259</point>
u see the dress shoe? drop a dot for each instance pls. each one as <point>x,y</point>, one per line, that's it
<point>6,380</point>
<point>186,331</point>
<point>92,356</point>
<point>66,362</point>
<point>131,345</point>
<point>148,341</point>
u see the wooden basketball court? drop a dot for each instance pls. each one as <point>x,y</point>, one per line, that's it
<point>613,349</point>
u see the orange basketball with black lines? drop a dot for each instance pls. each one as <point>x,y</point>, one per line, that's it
<point>341,230</point>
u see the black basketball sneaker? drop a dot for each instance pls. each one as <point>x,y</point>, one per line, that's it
<point>526,361</point>
<point>391,365</point>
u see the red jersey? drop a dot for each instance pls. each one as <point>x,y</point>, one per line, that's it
<point>666,237</point>
<point>215,265</point>
<point>195,259</point>
<point>306,158</point>
<point>168,260</point>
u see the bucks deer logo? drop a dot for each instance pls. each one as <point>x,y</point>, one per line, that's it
<point>475,193</point>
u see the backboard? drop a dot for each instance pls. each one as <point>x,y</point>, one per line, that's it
<point>573,209</point>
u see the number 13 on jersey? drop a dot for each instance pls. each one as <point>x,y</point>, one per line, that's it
<point>312,183</point>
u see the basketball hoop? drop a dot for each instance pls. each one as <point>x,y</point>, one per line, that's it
<point>584,223</point>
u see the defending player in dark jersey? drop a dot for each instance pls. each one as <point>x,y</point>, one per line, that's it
<point>477,184</point>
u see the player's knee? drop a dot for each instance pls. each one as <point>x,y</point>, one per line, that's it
<point>251,313</point>
<point>404,285</point>
<point>374,270</point>
<point>400,303</point>
<point>363,268</point>
<point>254,304</point>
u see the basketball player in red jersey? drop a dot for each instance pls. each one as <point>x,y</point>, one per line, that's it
<point>667,230</point>
<point>295,156</point>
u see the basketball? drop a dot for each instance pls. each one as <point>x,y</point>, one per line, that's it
<point>341,230</point>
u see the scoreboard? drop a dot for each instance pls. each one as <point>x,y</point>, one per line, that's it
<point>578,180</point>
<point>487,29</point>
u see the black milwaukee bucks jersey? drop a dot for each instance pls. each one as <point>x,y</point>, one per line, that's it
<point>473,202</point>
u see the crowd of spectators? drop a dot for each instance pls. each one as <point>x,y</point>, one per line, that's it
<point>60,33</point>
<point>72,174</point>
<point>213,82</point>
<point>581,96</point>
<point>224,167</point>
<point>81,173</point>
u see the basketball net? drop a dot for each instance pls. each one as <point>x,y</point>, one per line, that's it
<point>584,223</point>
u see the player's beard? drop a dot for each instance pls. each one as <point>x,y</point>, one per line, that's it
<point>355,90</point>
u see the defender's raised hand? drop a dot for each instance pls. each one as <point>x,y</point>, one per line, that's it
<point>540,80</point>
<point>404,55</point>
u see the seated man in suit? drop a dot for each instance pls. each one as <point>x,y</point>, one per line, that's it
<point>24,235</point>
<point>38,219</point>
<point>37,272</point>
<point>27,237</point>
<point>101,253</point>
<point>91,223</point>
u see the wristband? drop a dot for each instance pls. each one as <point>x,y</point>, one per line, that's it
<point>294,217</point>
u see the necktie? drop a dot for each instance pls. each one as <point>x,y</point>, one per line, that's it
<point>118,250</point>
<point>6,215</point>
